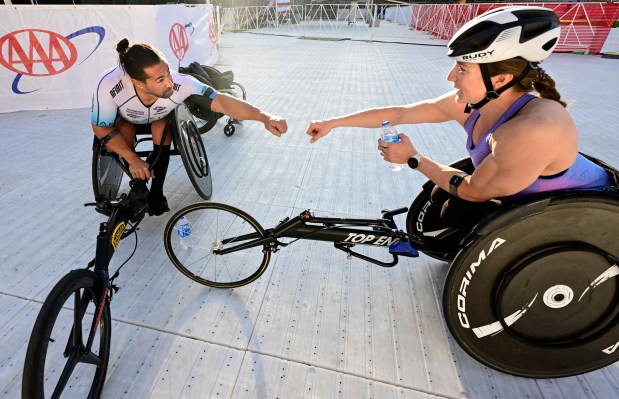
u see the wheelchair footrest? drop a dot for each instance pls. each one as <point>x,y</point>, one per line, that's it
<point>403,248</point>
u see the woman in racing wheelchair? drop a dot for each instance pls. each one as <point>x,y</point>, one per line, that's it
<point>519,143</point>
<point>142,90</point>
<point>528,223</point>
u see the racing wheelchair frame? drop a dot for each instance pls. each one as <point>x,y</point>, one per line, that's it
<point>530,290</point>
<point>186,142</point>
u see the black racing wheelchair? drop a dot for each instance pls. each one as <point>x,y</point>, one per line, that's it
<point>187,142</point>
<point>186,124</point>
<point>223,82</point>
<point>530,291</point>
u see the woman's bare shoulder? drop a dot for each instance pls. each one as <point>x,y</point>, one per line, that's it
<point>541,119</point>
<point>543,135</point>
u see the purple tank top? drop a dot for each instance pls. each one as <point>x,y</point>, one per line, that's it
<point>482,149</point>
<point>582,174</point>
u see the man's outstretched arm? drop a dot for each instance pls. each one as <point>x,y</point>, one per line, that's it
<point>242,110</point>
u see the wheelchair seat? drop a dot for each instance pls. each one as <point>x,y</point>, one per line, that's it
<point>444,242</point>
<point>216,79</point>
<point>533,289</point>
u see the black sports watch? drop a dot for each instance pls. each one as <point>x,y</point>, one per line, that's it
<point>455,181</point>
<point>413,162</point>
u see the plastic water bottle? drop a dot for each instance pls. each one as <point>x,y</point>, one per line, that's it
<point>183,228</point>
<point>389,135</point>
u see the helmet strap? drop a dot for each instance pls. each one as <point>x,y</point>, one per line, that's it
<point>492,94</point>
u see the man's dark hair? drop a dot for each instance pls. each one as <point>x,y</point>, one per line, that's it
<point>137,57</point>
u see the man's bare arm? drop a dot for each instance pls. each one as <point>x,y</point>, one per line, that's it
<point>139,168</point>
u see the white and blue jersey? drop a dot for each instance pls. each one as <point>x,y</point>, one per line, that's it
<point>115,95</point>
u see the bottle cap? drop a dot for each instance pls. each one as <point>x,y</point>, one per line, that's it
<point>386,123</point>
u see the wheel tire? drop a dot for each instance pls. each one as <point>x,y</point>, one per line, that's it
<point>229,129</point>
<point>210,223</point>
<point>106,173</point>
<point>48,341</point>
<point>538,294</point>
<point>191,148</point>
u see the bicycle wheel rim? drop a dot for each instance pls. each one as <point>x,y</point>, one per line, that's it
<point>197,152</point>
<point>211,224</point>
<point>46,362</point>
<point>193,153</point>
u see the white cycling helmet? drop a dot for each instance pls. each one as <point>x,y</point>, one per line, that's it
<point>507,32</point>
<point>526,32</point>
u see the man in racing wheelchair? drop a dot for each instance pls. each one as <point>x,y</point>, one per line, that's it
<point>142,90</point>
<point>519,143</point>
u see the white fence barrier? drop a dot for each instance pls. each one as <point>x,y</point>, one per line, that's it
<point>354,20</point>
<point>358,21</point>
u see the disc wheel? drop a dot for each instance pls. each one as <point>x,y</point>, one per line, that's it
<point>194,234</point>
<point>106,172</point>
<point>539,297</point>
<point>191,148</point>
<point>65,357</point>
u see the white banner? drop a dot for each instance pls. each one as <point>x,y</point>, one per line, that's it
<point>51,56</point>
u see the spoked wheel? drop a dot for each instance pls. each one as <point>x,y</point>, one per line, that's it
<point>540,296</point>
<point>191,148</point>
<point>65,357</point>
<point>195,232</point>
<point>106,172</point>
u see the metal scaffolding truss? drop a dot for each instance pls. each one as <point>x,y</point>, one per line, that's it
<point>302,20</point>
<point>585,26</point>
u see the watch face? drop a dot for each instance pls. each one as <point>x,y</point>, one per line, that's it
<point>456,180</point>
<point>413,163</point>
